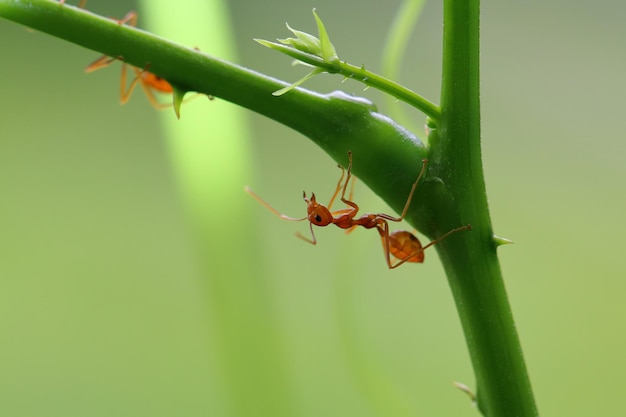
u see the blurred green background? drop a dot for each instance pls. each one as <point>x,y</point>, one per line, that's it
<point>103,300</point>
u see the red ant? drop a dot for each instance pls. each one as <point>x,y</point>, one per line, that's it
<point>148,81</point>
<point>402,244</point>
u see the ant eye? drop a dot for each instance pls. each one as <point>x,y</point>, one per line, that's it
<point>318,218</point>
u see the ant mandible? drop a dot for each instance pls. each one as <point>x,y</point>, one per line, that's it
<point>403,245</point>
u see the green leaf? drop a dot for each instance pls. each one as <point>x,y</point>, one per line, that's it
<point>303,56</point>
<point>303,42</point>
<point>310,75</point>
<point>328,50</point>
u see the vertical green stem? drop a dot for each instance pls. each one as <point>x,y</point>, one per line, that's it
<point>503,387</point>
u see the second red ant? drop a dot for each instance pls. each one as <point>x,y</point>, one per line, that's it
<point>403,245</point>
<point>150,82</point>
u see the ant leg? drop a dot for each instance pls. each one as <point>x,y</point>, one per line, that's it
<point>313,240</point>
<point>130,19</point>
<point>339,185</point>
<point>351,229</point>
<point>153,100</point>
<point>402,261</point>
<point>345,185</point>
<point>332,199</point>
<point>383,229</point>
<point>440,238</point>
<point>352,188</point>
<point>103,61</point>
<point>408,200</point>
<point>350,203</point>
<point>410,197</point>
<point>422,249</point>
<point>99,63</point>
<point>125,93</point>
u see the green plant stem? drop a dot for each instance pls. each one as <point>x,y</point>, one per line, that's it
<point>471,263</point>
<point>386,157</point>
<point>361,74</point>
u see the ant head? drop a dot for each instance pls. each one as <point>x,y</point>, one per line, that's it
<point>317,213</point>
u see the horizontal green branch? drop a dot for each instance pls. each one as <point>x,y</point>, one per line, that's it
<point>386,156</point>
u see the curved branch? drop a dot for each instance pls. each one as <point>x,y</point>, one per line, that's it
<point>386,155</point>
